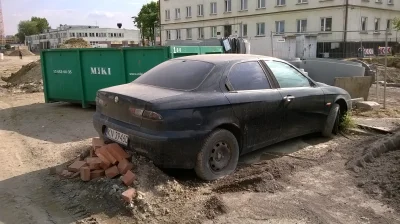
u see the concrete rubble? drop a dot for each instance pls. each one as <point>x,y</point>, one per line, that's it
<point>367,105</point>
<point>103,161</point>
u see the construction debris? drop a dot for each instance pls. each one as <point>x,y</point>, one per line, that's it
<point>24,52</point>
<point>75,43</point>
<point>103,160</point>
<point>367,105</point>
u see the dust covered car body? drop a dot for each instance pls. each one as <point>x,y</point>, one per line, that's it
<point>204,111</point>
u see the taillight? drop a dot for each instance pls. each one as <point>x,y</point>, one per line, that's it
<point>145,113</point>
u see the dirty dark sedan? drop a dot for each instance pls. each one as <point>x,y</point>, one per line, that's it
<point>204,111</point>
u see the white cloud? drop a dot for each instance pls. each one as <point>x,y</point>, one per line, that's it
<point>106,14</point>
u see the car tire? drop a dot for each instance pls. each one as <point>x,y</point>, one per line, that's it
<point>332,122</point>
<point>218,157</point>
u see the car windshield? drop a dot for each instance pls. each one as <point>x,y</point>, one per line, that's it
<point>177,74</point>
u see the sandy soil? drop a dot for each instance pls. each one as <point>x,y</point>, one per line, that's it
<point>303,180</point>
<point>12,64</point>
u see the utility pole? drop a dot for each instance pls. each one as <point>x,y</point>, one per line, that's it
<point>2,32</point>
<point>385,77</point>
<point>346,17</point>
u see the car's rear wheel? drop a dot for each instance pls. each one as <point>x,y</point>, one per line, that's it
<point>218,157</point>
<point>332,122</point>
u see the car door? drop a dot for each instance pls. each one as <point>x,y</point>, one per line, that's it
<point>304,102</point>
<point>255,103</point>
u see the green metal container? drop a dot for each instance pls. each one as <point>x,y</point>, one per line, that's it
<point>211,50</point>
<point>75,75</point>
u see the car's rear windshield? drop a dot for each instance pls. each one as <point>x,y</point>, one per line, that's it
<point>177,74</point>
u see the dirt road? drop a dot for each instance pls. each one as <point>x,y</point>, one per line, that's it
<point>298,181</point>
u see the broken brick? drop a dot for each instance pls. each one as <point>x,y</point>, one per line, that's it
<point>105,166</point>
<point>103,158</point>
<point>75,167</point>
<point>96,174</point>
<point>117,152</point>
<point>85,173</point>
<point>129,194</point>
<point>124,166</point>
<point>103,152</point>
<point>112,172</point>
<point>94,163</point>
<point>128,178</point>
<point>97,143</point>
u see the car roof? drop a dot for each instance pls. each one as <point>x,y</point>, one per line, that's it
<point>218,58</point>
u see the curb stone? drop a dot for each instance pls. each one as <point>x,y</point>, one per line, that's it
<point>375,150</point>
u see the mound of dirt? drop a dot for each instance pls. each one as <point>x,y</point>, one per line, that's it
<point>24,52</point>
<point>214,207</point>
<point>29,73</point>
<point>381,179</point>
<point>75,43</point>
<point>393,74</point>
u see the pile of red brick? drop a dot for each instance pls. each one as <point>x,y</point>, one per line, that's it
<point>104,160</point>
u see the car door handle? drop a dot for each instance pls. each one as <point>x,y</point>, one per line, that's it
<point>289,98</point>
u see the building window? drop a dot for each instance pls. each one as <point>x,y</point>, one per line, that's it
<point>168,34</point>
<point>378,1</point>
<point>91,34</point>
<point>243,4</point>
<point>390,2</point>
<point>244,30</point>
<point>280,27</point>
<point>177,13</point>
<point>302,1</point>
<point>301,25</point>
<point>326,24</point>
<point>364,22</point>
<point>200,10</point>
<point>201,32</point>
<point>377,24</point>
<point>178,34</point>
<point>71,34</point>
<point>213,7</point>
<point>389,24</point>
<point>167,14</point>
<point>280,2</point>
<point>86,34</point>
<point>228,5</point>
<point>213,32</point>
<point>188,11</point>
<point>260,4</point>
<point>189,34</point>
<point>260,29</point>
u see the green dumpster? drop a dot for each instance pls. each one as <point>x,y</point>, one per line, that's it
<point>75,75</point>
<point>211,50</point>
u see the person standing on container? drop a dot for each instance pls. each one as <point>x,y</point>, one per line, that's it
<point>20,54</point>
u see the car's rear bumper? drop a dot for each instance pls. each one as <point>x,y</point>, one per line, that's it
<point>176,149</point>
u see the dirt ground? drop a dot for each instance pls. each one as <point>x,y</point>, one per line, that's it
<point>303,180</point>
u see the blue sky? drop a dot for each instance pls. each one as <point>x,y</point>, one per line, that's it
<point>106,13</point>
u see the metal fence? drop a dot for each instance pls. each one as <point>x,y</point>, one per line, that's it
<point>335,44</point>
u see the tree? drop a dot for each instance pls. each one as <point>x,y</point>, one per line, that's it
<point>26,28</point>
<point>31,27</point>
<point>147,20</point>
<point>42,24</point>
<point>8,46</point>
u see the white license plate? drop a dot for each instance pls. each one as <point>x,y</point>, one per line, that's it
<point>117,136</point>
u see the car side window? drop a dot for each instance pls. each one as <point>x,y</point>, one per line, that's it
<point>287,76</point>
<point>248,76</point>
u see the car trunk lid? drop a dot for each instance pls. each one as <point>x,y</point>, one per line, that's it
<point>119,102</point>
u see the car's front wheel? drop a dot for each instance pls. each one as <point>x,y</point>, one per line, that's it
<point>218,157</point>
<point>332,122</point>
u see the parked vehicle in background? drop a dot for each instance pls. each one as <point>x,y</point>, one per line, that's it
<point>204,111</point>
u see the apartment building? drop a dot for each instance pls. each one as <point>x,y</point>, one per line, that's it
<point>96,36</point>
<point>267,22</point>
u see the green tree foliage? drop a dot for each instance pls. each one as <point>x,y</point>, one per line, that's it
<point>147,20</point>
<point>42,24</point>
<point>31,27</point>
<point>26,28</point>
<point>7,46</point>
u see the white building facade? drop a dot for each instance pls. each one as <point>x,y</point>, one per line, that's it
<point>263,22</point>
<point>97,37</point>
